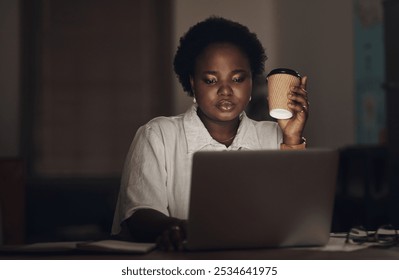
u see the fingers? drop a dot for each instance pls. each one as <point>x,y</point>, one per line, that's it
<point>171,239</point>
<point>304,81</point>
<point>176,236</point>
<point>298,97</point>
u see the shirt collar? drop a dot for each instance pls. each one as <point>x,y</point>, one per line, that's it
<point>198,137</point>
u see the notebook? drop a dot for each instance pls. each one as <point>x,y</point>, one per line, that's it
<point>257,199</point>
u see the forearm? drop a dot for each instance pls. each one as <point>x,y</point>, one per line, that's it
<point>145,225</point>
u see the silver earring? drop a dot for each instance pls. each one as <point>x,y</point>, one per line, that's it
<point>194,100</point>
<point>250,98</point>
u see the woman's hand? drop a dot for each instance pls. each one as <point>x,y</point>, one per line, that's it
<point>298,102</point>
<point>149,225</point>
<point>172,239</point>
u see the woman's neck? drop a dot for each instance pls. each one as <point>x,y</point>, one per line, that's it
<point>222,131</point>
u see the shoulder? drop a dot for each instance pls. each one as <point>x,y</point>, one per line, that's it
<point>264,125</point>
<point>268,133</point>
<point>160,128</point>
<point>158,133</point>
<point>164,124</point>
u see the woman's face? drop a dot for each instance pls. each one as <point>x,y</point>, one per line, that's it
<point>222,83</point>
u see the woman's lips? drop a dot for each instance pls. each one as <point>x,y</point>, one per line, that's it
<point>225,105</point>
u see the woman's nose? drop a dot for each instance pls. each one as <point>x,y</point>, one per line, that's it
<point>225,89</point>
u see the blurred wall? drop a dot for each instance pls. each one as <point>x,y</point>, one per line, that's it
<point>314,37</point>
<point>9,78</point>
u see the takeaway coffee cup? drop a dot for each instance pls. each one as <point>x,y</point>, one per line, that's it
<point>279,82</point>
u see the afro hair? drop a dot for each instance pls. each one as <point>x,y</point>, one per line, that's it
<point>210,31</point>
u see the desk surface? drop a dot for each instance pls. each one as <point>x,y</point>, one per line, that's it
<point>335,249</point>
<point>254,254</point>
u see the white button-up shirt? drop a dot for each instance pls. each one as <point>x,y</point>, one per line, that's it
<point>157,170</point>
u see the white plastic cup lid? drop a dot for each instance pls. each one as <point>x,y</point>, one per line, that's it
<point>280,114</point>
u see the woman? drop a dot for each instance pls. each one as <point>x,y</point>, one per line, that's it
<point>216,63</point>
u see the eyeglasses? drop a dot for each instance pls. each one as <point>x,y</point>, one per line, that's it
<point>385,235</point>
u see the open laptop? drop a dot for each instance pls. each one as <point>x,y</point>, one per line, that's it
<point>255,199</point>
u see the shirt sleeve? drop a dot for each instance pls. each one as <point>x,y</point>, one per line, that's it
<point>143,183</point>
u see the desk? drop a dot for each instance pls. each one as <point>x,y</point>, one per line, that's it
<point>260,254</point>
<point>321,253</point>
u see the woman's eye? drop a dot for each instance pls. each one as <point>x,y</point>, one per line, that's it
<point>238,79</point>
<point>210,81</point>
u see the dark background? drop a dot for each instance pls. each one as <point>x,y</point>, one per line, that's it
<point>112,62</point>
